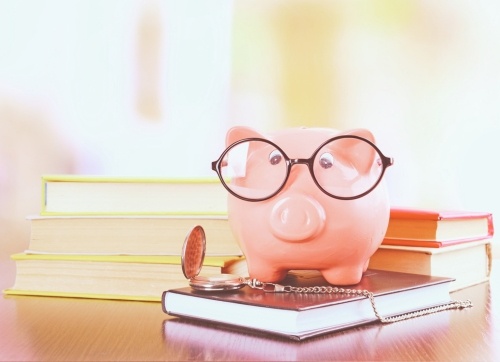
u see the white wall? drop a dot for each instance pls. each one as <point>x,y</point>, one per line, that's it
<point>77,62</point>
<point>427,86</point>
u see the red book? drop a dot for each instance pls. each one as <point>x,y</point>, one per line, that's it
<point>436,228</point>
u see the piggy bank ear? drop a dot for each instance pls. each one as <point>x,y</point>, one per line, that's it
<point>361,132</point>
<point>360,153</point>
<point>240,132</point>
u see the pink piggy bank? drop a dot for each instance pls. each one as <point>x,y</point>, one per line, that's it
<point>305,198</point>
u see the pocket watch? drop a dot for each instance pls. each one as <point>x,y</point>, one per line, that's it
<point>192,256</point>
<point>193,253</point>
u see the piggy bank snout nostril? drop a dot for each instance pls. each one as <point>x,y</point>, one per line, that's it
<point>297,218</point>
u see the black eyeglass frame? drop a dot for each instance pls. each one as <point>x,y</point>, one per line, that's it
<point>216,166</point>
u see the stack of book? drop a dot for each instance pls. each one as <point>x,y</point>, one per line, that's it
<point>456,244</point>
<point>121,238</point>
<point>424,256</point>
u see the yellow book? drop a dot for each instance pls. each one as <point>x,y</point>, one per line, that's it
<point>101,195</point>
<point>128,277</point>
<point>142,234</point>
<point>469,263</point>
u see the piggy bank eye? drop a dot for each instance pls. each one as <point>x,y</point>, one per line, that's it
<point>326,160</point>
<point>275,157</point>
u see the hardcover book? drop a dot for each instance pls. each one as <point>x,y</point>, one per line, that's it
<point>299,316</point>
<point>468,263</point>
<point>100,195</point>
<point>119,277</point>
<point>412,226</point>
<point>134,235</point>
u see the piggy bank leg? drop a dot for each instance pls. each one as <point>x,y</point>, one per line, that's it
<point>266,274</point>
<point>343,275</point>
<point>365,268</point>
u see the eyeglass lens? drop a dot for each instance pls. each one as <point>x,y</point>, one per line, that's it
<point>344,167</point>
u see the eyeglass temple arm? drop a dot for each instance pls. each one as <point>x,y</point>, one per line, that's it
<point>388,161</point>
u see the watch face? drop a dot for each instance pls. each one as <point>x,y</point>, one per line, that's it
<point>217,282</point>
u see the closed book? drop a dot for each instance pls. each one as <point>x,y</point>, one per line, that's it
<point>428,243</point>
<point>438,225</point>
<point>468,263</point>
<point>119,277</point>
<point>301,315</point>
<point>101,195</point>
<point>149,235</point>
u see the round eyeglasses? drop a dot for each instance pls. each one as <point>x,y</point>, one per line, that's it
<point>345,167</point>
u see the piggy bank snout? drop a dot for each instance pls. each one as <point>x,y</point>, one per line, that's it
<point>297,218</point>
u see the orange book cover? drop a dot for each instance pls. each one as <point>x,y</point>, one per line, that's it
<point>444,226</point>
<point>399,212</point>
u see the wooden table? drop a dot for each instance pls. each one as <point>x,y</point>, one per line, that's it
<point>64,329</point>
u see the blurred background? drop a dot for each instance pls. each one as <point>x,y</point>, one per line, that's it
<point>149,88</point>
